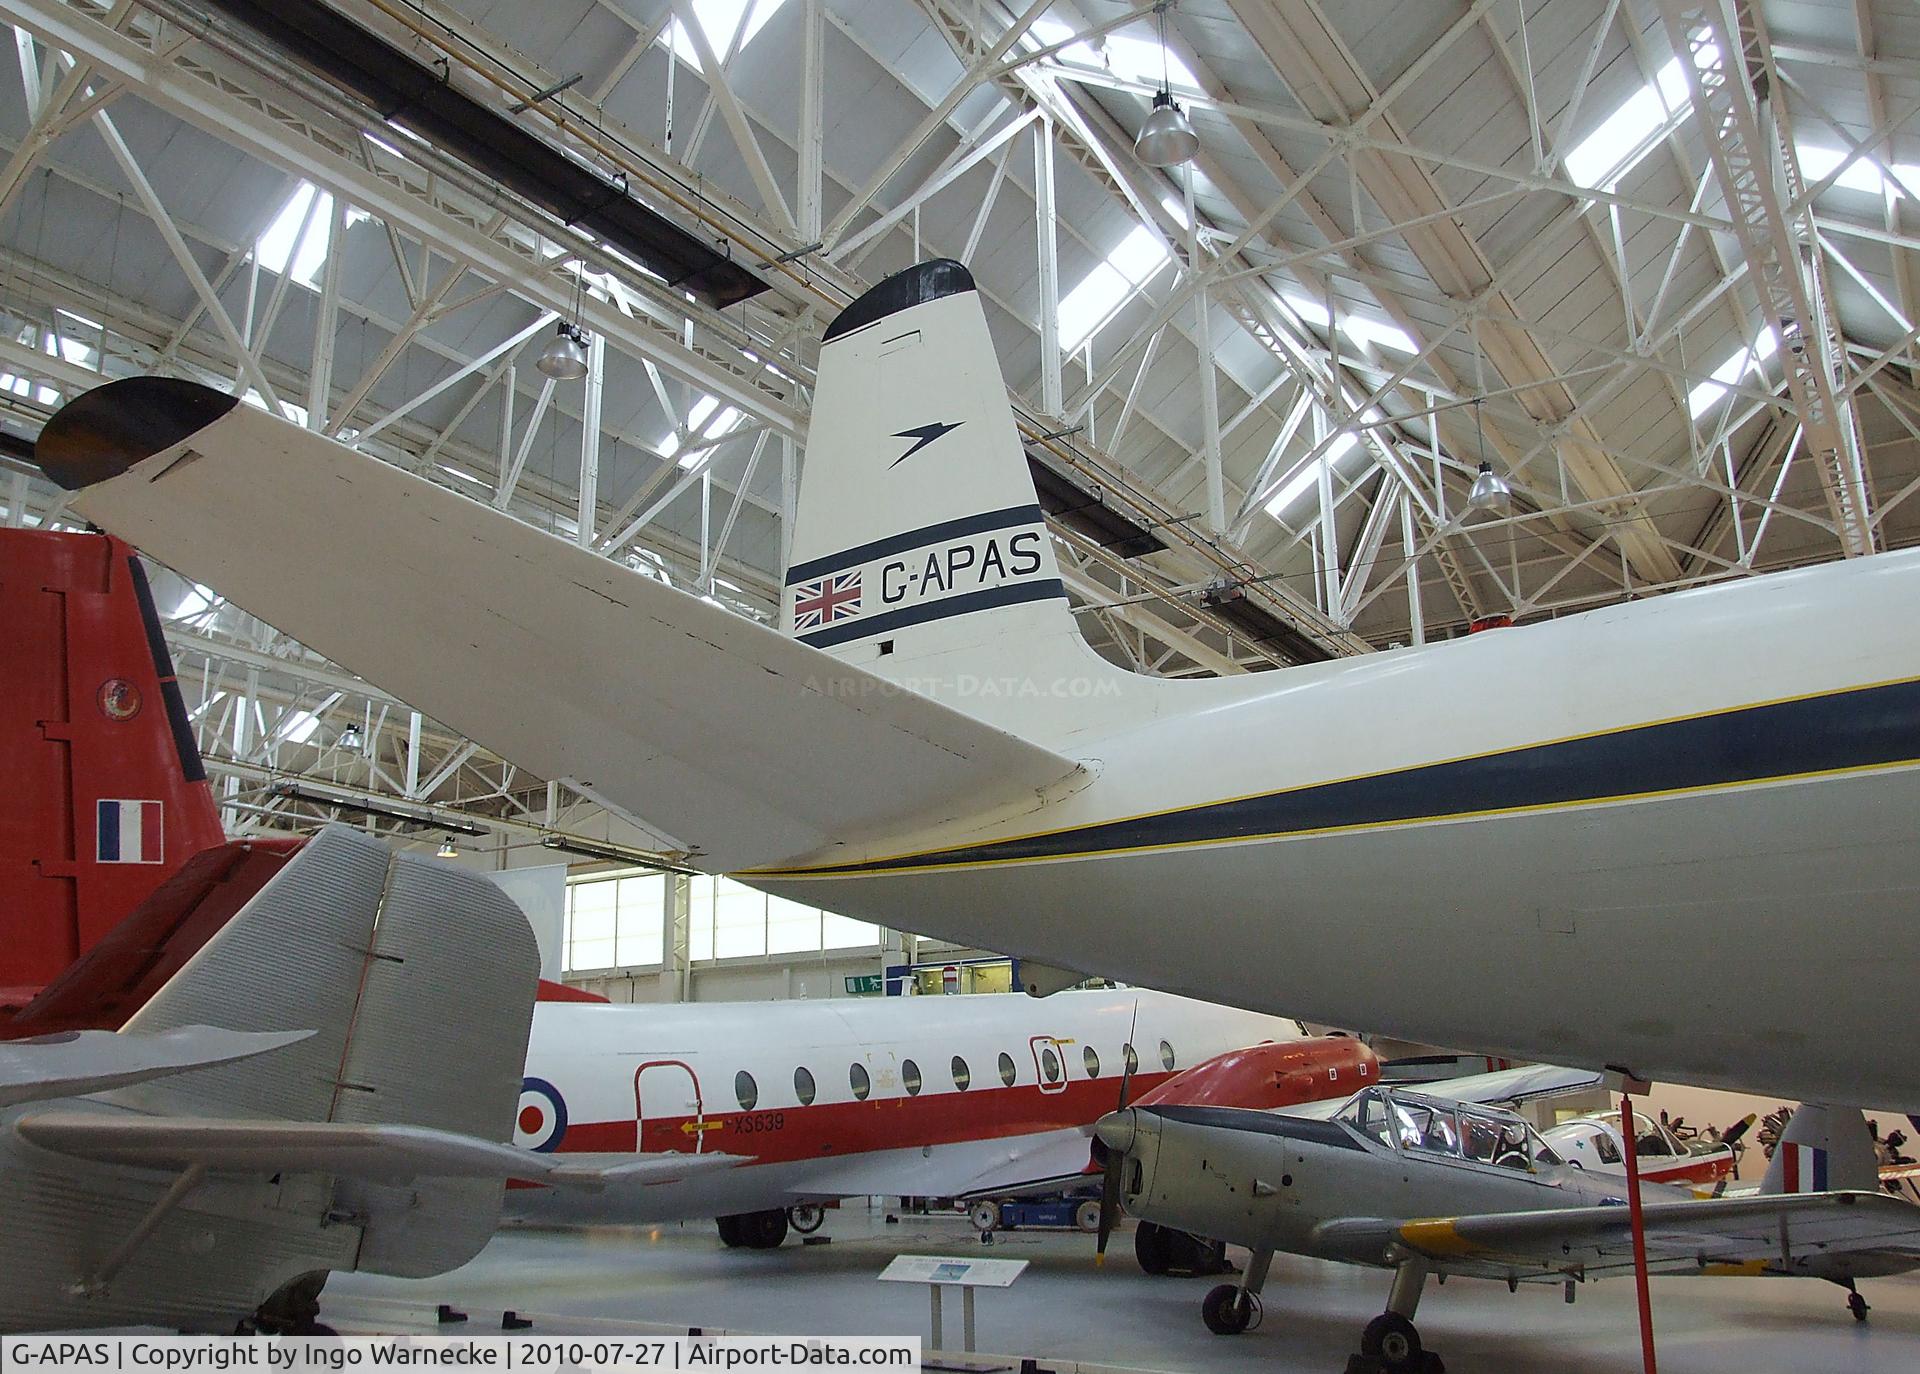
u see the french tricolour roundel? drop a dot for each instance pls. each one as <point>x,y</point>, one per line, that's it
<point>542,1118</point>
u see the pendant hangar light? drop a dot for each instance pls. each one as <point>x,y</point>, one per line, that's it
<point>565,357</point>
<point>1490,490</point>
<point>1166,137</point>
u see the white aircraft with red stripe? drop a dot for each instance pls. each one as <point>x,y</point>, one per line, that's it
<point>817,1100</point>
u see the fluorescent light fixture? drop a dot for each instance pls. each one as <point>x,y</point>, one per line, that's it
<point>322,795</point>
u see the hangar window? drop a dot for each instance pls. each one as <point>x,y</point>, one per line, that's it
<point>745,1091</point>
<point>1166,1056</point>
<point>803,1087</point>
<point>728,920</point>
<point>1007,1071</point>
<point>910,1077</point>
<point>962,1075</point>
<point>1091,1060</point>
<point>614,922</point>
<point>857,1079</point>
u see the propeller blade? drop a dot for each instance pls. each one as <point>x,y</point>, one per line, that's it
<point>1109,1204</point>
<point>1738,1129</point>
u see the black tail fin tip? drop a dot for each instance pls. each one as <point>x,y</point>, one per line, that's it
<point>927,281</point>
<point>103,432</point>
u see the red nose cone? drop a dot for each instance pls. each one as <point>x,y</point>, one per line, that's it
<point>1273,1075</point>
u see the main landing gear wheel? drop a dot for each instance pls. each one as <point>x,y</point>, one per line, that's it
<point>1228,1310</point>
<point>1858,1306</point>
<point>764,1230</point>
<point>1153,1247</point>
<point>806,1217</point>
<point>1392,1343</point>
<point>729,1228</point>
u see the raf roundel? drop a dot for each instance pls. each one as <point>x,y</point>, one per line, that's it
<point>542,1118</point>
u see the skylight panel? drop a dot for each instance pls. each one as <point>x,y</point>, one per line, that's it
<point>1703,396</point>
<point>1130,266</point>
<point>1311,311</point>
<point>1368,333</point>
<point>719,21</point>
<point>1816,163</point>
<point>1308,477</point>
<point>1137,57</point>
<point>1377,334</point>
<point>703,424</point>
<point>277,247</point>
<point>1630,132</point>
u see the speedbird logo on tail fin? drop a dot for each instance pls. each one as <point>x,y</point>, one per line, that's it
<point>922,435</point>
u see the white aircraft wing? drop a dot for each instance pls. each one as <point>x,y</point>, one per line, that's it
<point>731,739</point>
<point>1714,1235</point>
<point>80,1062</point>
<point>958,1170</point>
<point>386,1153</point>
<point>1528,1083</point>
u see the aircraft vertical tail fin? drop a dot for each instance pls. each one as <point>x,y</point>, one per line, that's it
<point>418,980</point>
<point>106,793</point>
<point>919,548</point>
<point>1823,1149</point>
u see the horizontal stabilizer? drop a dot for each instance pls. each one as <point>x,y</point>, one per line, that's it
<point>741,746</point>
<point>383,1153</point>
<point>1528,1083</point>
<point>81,1062</point>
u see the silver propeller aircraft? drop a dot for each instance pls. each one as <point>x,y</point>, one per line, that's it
<point>1430,1185</point>
<point>330,1083</point>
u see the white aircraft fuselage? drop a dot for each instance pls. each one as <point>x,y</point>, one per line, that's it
<point>930,1096</point>
<point>1706,800</point>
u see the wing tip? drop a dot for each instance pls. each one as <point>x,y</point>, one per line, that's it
<point>103,432</point>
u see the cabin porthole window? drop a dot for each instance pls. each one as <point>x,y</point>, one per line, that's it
<point>1050,1066</point>
<point>962,1075</point>
<point>910,1077</point>
<point>857,1079</point>
<point>1091,1060</point>
<point>803,1087</point>
<point>1166,1056</point>
<point>745,1091</point>
<point>1007,1071</point>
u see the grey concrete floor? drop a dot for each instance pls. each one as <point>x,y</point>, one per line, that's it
<point>1065,1308</point>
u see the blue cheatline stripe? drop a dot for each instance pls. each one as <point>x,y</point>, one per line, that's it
<point>106,821</point>
<point>863,627</point>
<point>913,539</point>
<point>1859,728</point>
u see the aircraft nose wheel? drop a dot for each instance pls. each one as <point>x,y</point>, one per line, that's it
<point>1229,1310</point>
<point>1858,1306</point>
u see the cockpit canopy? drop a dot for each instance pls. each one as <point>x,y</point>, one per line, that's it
<point>1403,1120</point>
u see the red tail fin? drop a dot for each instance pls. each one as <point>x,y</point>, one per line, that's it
<point>105,795</point>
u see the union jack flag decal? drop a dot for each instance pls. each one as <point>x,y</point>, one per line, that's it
<point>827,601</point>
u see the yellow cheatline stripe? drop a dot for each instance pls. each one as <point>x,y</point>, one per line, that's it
<point>1735,1269</point>
<point>1438,1237</point>
<point>836,871</point>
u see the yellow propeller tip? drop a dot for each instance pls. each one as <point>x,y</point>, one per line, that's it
<point>1099,1261</point>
